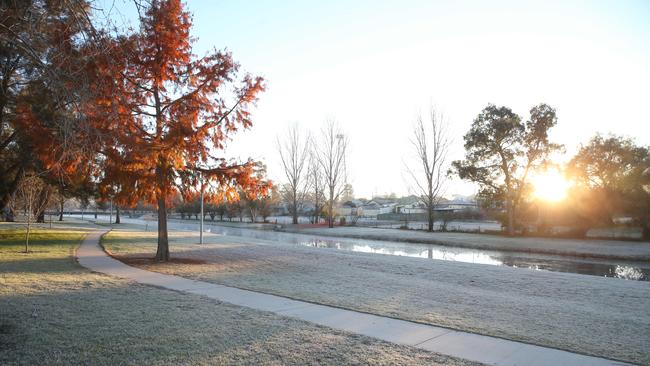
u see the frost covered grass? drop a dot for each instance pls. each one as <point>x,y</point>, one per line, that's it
<point>54,312</point>
<point>604,317</point>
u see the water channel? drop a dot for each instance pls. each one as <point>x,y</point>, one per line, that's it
<point>639,271</point>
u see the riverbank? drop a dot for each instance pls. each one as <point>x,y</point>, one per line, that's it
<point>598,316</point>
<point>584,248</point>
<point>235,224</point>
<point>625,250</point>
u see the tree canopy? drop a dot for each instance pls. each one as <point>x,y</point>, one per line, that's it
<point>502,151</point>
<point>41,87</point>
<point>610,172</point>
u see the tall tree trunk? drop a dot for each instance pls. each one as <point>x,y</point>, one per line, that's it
<point>511,217</point>
<point>117,214</point>
<point>162,254</point>
<point>27,237</point>
<point>430,212</point>
<point>39,210</point>
<point>330,214</point>
<point>295,209</point>
<point>29,222</point>
<point>9,191</point>
<point>61,203</point>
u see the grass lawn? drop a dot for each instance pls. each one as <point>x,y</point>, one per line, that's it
<point>54,312</point>
<point>605,317</point>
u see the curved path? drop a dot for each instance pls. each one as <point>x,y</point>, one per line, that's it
<point>470,346</point>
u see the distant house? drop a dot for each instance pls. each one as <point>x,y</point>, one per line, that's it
<point>370,209</point>
<point>445,206</point>
<point>408,200</point>
<point>410,205</point>
<point>411,208</point>
<point>349,208</point>
<point>308,207</point>
<point>457,205</point>
<point>387,208</point>
<point>383,201</point>
<point>364,208</point>
<point>282,209</point>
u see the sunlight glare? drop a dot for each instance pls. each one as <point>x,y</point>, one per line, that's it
<point>550,186</point>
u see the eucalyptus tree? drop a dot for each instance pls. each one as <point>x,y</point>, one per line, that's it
<point>501,151</point>
<point>610,171</point>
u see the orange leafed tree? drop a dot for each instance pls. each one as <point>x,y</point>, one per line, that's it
<point>164,115</point>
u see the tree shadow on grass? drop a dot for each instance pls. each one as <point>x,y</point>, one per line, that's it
<point>10,337</point>
<point>39,265</point>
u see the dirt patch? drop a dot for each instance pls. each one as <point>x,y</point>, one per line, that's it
<point>141,260</point>
<point>148,260</point>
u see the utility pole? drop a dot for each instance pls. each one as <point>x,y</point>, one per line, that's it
<point>201,222</point>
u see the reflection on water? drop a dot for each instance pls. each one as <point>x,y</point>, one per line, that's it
<point>442,253</point>
<point>495,258</point>
<point>629,273</point>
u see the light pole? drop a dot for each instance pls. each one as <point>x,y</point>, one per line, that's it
<point>341,150</point>
<point>645,184</point>
<point>201,221</point>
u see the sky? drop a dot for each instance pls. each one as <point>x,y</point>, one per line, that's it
<point>374,66</point>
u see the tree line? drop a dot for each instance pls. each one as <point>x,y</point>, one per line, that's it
<point>610,175</point>
<point>246,208</point>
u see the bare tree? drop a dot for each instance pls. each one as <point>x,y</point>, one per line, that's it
<point>331,158</point>
<point>430,144</point>
<point>32,196</point>
<point>294,150</point>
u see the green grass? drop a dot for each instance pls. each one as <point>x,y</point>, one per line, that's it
<point>49,250</point>
<point>54,312</point>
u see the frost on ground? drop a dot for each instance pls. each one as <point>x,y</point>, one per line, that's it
<point>593,315</point>
<point>53,312</point>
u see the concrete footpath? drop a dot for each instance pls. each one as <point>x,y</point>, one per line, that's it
<point>474,347</point>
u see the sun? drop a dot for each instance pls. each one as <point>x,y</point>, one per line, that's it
<point>550,185</point>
